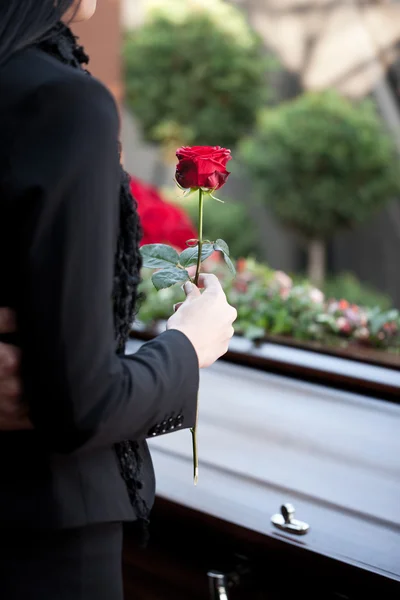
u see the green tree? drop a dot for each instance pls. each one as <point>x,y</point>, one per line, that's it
<point>322,164</point>
<point>193,79</point>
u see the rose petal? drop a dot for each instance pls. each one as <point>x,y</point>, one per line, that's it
<point>187,174</point>
<point>217,180</point>
<point>207,165</point>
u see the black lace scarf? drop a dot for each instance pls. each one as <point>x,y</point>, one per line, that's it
<point>62,44</point>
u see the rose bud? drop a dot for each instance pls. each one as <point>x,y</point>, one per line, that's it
<point>202,167</point>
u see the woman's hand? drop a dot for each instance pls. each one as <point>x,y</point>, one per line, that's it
<point>206,319</point>
<point>13,415</point>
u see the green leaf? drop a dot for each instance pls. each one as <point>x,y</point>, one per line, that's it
<point>167,277</point>
<point>253,332</point>
<point>214,198</point>
<point>230,264</point>
<point>189,192</point>
<point>158,256</point>
<point>282,322</point>
<point>189,256</point>
<point>223,247</point>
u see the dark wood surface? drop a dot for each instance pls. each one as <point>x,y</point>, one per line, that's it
<point>186,544</point>
<point>266,439</point>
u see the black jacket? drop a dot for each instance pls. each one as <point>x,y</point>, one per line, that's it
<point>59,206</point>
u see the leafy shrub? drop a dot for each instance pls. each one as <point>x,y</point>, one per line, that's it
<point>195,79</point>
<point>346,285</point>
<point>322,164</point>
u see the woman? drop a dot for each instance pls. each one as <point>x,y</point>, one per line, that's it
<point>69,265</point>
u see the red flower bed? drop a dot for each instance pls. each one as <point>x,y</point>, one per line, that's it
<point>162,223</point>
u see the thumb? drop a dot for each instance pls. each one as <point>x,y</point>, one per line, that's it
<point>191,290</point>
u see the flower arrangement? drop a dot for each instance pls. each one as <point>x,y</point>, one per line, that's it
<point>269,303</point>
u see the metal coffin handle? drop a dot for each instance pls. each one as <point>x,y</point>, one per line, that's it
<point>288,523</point>
<point>218,585</point>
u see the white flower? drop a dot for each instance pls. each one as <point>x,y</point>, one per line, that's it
<point>316,296</point>
<point>343,325</point>
<point>282,279</point>
<point>362,333</point>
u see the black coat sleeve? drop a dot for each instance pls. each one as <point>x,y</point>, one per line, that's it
<point>65,174</point>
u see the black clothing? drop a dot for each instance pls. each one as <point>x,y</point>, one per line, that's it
<point>72,564</point>
<point>59,192</point>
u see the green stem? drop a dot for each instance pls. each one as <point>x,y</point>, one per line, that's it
<point>196,280</point>
<point>195,455</point>
<point>201,214</point>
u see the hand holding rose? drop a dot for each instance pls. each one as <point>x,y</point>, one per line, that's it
<point>211,309</point>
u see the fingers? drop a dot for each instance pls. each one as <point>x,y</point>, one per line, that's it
<point>9,359</point>
<point>7,320</point>
<point>210,283</point>
<point>177,306</point>
<point>191,290</point>
<point>192,271</point>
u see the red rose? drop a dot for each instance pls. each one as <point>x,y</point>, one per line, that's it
<point>202,167</point>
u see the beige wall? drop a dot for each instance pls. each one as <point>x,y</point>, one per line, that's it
<point>102,37</point>
<point>330,43</point>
